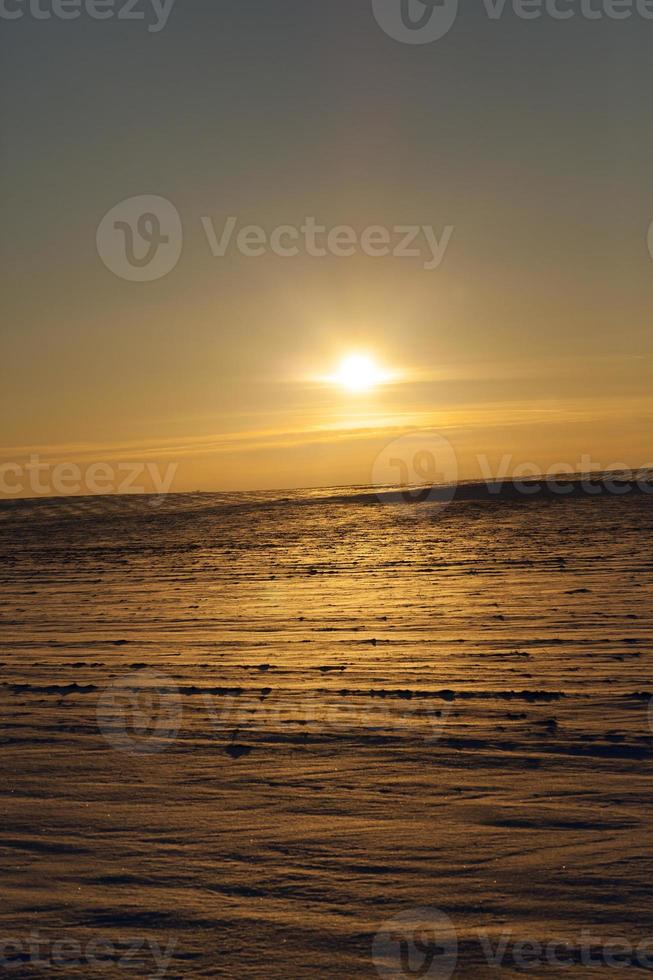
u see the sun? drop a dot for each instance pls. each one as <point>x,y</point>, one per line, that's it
<point>358,372</point>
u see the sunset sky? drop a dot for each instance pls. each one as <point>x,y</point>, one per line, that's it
<point>532,337</point>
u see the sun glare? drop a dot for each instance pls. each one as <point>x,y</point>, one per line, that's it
<point>357,372</point>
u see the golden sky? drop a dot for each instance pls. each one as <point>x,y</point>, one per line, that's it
<point>532,337</point>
